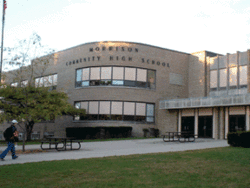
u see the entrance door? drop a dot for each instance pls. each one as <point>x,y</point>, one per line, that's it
<point>237,123</point>
<point>205,126</point>
<point>187,124</point>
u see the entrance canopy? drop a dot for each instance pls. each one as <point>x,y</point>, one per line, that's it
<point>228,100</point>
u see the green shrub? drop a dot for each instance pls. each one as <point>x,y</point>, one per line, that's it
<point>99,132</point>
<point>239,139</point>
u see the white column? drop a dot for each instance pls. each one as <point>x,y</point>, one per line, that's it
<point>226,121</point>
<point>214,119</point>
<point>196,122</point>
<point>247,118</point>
<point>179,120</point>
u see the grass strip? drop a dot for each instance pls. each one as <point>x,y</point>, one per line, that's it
<point>218,167</point>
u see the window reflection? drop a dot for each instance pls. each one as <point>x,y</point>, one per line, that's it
<point>233,77</point>
<point>115,76</point>
<point>85,74</point>
<point>243,76</point>
<point>213,79</point>
<point>47,81</point>
<point>106,73</point>
<point>116,110</point>
<point>223,79</point>
<point>151,79</point>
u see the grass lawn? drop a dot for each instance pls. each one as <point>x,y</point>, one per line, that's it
<point>219,167</point>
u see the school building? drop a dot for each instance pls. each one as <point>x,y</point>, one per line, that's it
<point>143,86</point>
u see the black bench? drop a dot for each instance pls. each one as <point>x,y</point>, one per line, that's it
<point>57,141</point>
<point>179,137</point>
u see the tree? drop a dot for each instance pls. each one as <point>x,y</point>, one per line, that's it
<point>30,101</point>
<point>24,52</point>
<point>31,105</point>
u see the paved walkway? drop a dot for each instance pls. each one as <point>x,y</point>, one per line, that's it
<point>112,148</point>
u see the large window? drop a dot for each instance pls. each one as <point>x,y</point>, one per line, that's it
<point>233,77</point>
<point>47,81</point>
<point>243,76</point>
<point>223,79</point>
<point>117,110</point>
<point>115,76</point>
<point>213,80</point>
<point>229,73</point>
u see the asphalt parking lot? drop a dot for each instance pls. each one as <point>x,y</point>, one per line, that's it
<point>112,148</point>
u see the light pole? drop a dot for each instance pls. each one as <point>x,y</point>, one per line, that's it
<point>4,7</point>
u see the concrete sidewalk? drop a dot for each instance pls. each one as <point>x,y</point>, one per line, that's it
<point>112,148</point>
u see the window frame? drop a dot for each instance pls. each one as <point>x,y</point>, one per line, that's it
<point>117,82</point>
<point>116,117</point>
<point>51,86</point>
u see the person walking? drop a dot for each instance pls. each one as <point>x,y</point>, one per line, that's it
<point>11,135</point>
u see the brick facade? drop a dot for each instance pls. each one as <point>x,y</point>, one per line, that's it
<point>192,71</point>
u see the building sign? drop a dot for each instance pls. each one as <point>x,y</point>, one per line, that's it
<point>115,58</point>
<point>112,48</point>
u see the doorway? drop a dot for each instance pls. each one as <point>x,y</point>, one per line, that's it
<point>237,123</point>
<point>205,126</point>
<point>187,124</point>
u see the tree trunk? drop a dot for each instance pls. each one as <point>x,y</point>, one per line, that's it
<point>29,128</point>
<point>24,135</point>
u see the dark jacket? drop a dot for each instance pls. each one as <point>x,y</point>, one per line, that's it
<point>10,135</point>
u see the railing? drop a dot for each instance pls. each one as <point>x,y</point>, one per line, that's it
<point>229,100</point>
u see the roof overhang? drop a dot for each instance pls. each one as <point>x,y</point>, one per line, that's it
<point>228,100</point>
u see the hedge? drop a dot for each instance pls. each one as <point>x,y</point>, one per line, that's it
<point>239,139</point>
<point>98,132</point>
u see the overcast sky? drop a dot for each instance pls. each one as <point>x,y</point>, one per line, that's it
<point>221,26</point>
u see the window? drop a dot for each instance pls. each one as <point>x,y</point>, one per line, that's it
<point>222,62</point>
<point>151,79</point>
<point>232,60</point>
<point>116,110</point>
<point>150,113</point>
<point>20,136</point>
<point>79,75</point>
<point>213,79</point>
<point>95,76</point>
<point>115,76</point>
<point>54,80</point>
<point>24,83</point>
<point>129,77</point>
<point>223,78</point>
<point>129,111</point>
<point>105,76</point>
<point>82,105</point>
<point>14,84</point>
<point>118,76</point>
<point>233,77</point>
<point>48,134</point>
<point>104,113</point>
<point>35,136</point>
<point>243,58</point>
<point>213,62</point>
<point>93,110</point>
<point>141,76</point>
<point>118,73</point>
<point>243,76</point>
<point>140,111</point>
<point>47,81</point>
<point>85,74</point>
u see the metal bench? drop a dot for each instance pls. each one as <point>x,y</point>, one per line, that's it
<point>57,141</point>
<point>179,136</point>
